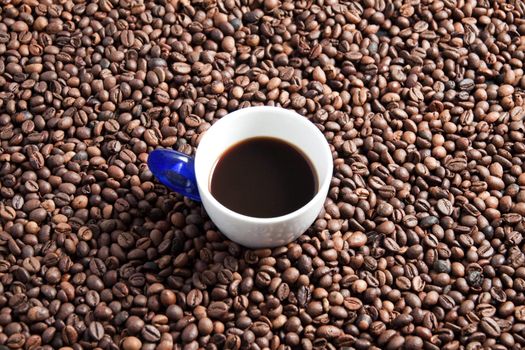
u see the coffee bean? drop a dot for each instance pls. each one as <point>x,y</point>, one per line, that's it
<point>150,333</point>
<point>205,326</point>
<point>396,342</point>
<point>217,309</point>
<point>260,328</point>
<point>38,313</point>
<point>96,331</point>
<point>174,312</point>
<point>7,213</point>
<point>134,324</point>
<point>457,164</point>
<point>444,206</point>
<point>519,313</point>
<point>15,341</point>
<point>190,333</point>
<point>131,343</point>
<point>69,335</point>
<point>490,326</point>
<point>194,298</point>
<point>181,68</point>
<point>386,227</point>
<point>357,240</point>
<point>329,332</point>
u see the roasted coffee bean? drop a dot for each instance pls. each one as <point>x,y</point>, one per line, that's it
<point>96,330</point>
<point>189,333</point>
<point>134,325</point>
<point>150,333</point>
<point>38,313</point>
<point>205,326</point>
<point>131,343</point>
<point>69,335</point>
<point>194,298</point>
<point>217,309</point>
<point>260,328</point>
<point>328,331</point>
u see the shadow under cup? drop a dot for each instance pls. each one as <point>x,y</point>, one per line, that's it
<point>266,122</point>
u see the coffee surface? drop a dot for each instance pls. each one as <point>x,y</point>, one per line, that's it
<point>263,177</point>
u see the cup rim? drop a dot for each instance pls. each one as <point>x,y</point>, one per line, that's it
<point>323,183</point>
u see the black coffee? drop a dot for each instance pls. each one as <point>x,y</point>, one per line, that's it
<point>263,177</point>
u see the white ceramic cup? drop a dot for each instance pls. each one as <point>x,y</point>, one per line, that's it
<point>237,126</point>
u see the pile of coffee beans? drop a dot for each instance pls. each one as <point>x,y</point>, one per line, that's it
<point>420,243</point>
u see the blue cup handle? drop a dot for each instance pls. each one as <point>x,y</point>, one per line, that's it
<point>176,170</point>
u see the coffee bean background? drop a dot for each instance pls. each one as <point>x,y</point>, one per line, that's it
<point>420,243</point>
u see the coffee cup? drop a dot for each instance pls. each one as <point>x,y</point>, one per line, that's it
<point>191,177</point>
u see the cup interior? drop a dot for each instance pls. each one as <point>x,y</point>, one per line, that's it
<point>262,121</point>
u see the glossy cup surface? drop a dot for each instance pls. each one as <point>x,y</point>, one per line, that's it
<point>263,121</point>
